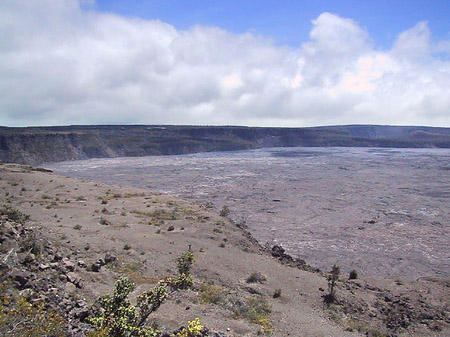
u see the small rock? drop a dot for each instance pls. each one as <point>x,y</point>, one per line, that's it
<point>81,314</point>
<point>21,278</point>
<point>82,264</point>
<point>171,228</point>
<point>70,287</point>
<point>109,257</point>
<point>252,290</point>
<point>68,265</point>
<point>74,278</point>
<point>26,258</point>
<point>43,266</point>
<point>57,257</point>
<point>96,267</point>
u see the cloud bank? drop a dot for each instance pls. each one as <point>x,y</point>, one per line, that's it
<point>63,64</point>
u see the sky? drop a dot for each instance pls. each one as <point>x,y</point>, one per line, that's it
<point>213,62</point>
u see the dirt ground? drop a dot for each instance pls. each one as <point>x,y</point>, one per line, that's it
<point>147,231</point>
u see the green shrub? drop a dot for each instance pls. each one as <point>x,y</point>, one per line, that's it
<point>116,317</point>
<point>194,329</point>
<point>185,261</point>
<point>183,281</point>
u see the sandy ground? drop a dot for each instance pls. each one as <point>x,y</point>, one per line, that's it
<point>89,219</point>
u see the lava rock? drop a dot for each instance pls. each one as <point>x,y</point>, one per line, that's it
<point>109,257</point>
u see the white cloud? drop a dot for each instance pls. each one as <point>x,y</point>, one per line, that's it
<point>62,64</point>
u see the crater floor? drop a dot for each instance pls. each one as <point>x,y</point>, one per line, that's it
<point>380,211</point>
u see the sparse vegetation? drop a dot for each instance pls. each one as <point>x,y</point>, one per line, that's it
<point>21,318</point>
<point>158,215</point>
<point>256,277</point>
<point>255,310</point>
<point>212,294</point>
<point>364,327</point>
<point>225,211</point>
<point>14,214</point>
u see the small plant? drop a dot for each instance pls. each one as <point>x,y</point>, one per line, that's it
<point>225,211</point>
<point>185,262</point>
<point>194,329</point>
<point>277,293</point>
<point>256,277</point>
<point>184,280</point>
<point>127,246</point>
<point>104,222</point>
<point>353,275</point>
<point>332,278</point>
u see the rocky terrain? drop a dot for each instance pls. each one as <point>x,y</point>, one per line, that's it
<point>64,243</point>
<point>32,145</point>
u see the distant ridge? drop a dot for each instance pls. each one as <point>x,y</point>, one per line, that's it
<point>35,145</point>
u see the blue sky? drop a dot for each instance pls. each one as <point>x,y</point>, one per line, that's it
<point>255,63</point>
<point>289,22</point>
